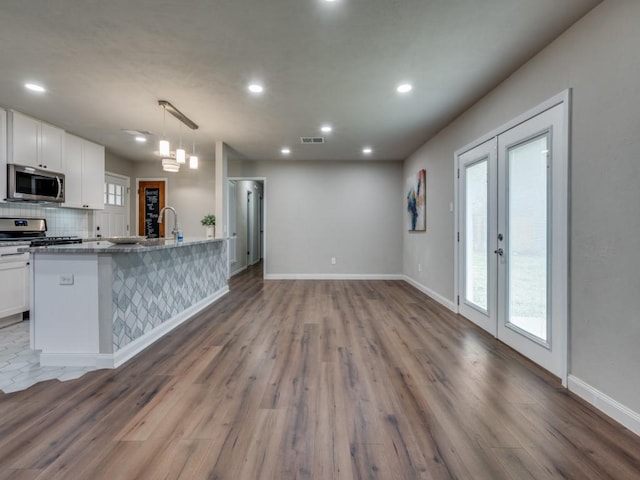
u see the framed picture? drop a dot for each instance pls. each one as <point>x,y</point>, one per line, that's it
<point>417,202</point>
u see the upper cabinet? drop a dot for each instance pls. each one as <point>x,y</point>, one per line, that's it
<point>33,143</point>
<point>83,166</point>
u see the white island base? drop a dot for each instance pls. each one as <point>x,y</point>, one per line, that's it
<point>98,304</point>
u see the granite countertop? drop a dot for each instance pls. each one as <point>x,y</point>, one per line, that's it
<point>104,246</point>
<point>17,243</point>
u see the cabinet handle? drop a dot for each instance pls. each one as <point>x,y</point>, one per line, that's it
<point>10,254</point>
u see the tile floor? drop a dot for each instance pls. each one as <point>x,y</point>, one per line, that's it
<point>20,366</point>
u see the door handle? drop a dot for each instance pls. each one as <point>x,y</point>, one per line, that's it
<point>499,251</point>
<point>59,195</point>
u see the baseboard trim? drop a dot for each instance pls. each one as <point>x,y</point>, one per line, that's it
<point>430,293</point>
<point>331,276</point>
<point>108,360</point>
<point>605,404</point>
<point>76,360</point>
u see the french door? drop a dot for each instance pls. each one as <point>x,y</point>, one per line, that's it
<point>512,246</point>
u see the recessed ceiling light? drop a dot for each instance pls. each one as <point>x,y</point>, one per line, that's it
<point>34,87</point>
<point>326,128</point>
<point>367,150</point>
<point>404,88</point>
<point>256,88</point>
<point>141,139</point>
<point>285,151</point>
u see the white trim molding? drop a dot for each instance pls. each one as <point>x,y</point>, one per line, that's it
<point>605,404</point>
<point>332,276</point>
<point>432,294</point>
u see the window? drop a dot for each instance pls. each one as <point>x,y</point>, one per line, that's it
<point>113,194</point>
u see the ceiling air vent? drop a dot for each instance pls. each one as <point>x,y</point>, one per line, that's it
<point>311,140</point>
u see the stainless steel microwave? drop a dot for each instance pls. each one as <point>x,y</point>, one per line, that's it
<point>34,184</point>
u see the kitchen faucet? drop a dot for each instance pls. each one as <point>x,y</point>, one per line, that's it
<point>176,227</point>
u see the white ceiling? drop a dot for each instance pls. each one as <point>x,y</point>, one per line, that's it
<point>107,63</point>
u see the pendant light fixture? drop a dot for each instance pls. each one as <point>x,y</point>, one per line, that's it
<point>164,147</point>
<point>193,159</point>
<point>170,165</point>
<point>173,164</point>
<point>180,153</point>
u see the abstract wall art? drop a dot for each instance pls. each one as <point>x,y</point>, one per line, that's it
<point>417,202</point>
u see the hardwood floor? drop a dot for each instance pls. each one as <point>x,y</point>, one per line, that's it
<point>319,380</point>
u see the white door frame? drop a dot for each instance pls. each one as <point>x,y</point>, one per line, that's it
<point>562,217</point>
<point>263,180</point>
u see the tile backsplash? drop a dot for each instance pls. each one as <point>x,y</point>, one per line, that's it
<point>60,221</point>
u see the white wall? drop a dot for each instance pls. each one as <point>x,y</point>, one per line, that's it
<point>190,192</point>
<point>599,58</point>
<point>319,210</point>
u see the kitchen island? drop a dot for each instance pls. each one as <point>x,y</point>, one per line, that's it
<point>99,304</point>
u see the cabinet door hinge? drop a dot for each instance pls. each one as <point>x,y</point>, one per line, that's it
<point>458,236</point>
<point>458,173</point>
<point>458,300</point>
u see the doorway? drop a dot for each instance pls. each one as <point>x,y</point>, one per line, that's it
<point>245,222</point>
<point>512,234</point>
<point>151,200</point>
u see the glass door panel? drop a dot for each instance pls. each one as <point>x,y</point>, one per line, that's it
<point>532,230</point>
<point>477,268</point>
<point>527,237</point>
<point>476,222</point>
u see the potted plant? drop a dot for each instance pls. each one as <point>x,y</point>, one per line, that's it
<point>209,223</point>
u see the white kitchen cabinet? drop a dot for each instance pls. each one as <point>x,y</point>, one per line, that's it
<point>72,166</point>
<point>14,282</point>
<point>83,166</point>
<point>93,176</point>
<point>34,143</point>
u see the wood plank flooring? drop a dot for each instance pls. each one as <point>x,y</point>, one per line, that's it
<point>314,380</point>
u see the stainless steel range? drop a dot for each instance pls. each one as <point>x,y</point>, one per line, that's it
<point>33,230</point>
<point>14,229</point>
<point>14,264</point>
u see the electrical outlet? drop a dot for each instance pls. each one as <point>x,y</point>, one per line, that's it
<point>66,279</point>
<point>333,260</point>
